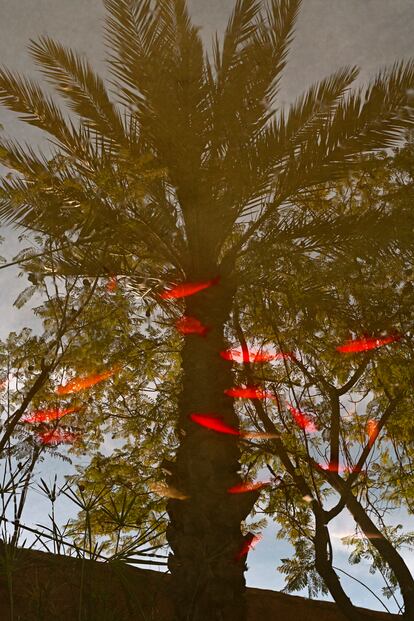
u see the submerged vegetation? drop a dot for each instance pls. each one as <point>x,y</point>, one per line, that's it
<point>225,288</point>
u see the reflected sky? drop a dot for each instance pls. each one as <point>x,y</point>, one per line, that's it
<point>330,33</point>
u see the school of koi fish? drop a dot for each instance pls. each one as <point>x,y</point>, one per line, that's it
<point>188,325</point>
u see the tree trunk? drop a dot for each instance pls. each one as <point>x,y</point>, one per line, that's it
<point>387,552</point>
<point>323,564</point>
<point>204,531</point>
<point>385,548</point>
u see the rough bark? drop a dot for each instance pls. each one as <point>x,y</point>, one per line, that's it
<point>204,530</point>
<point>323,562</point>
<point>384,547</point>
<point>323,565</point>
<point>388,553</point>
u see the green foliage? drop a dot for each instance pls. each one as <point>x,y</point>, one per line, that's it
<point>363,549</point>
<point>300,570</point>
<point>194,169</point>
<point>309,300</point>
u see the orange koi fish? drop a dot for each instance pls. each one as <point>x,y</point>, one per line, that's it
<point>57,436</point>
<point>366,344</point>
<point>42,416</point>
<point>249,392</point>
<point>112,284</point>
<point>80,383</point>
<point>372,431</point>
<point>189,288</point>
<point>236,355</point>
<point>303,420</point>
<point>167,491</point>
<point>247,487</point>
<point>215,423</point>
<point>251,541</point>
<point>191,325</point>
<point>337,468</point>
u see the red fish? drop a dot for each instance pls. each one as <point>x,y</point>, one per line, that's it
<point>249,392</point>
<point>247,487</point>
<point>332,467</point>
<point>57,436</point>
<point>236,355</point>
<point>112,284</point>
<point>215,423</point>
<point>337,468</point>
<point>250,542</point>
<point>303,420</point>
<point>366,344</point>
<point>80,383</point>
<point>372,431</point>
<point>188,288</point>
<point>191,325</point>
<point>42,416</point>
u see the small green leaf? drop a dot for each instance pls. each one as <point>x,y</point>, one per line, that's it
<point>24,296</point>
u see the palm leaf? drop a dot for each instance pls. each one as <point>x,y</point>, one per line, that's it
<point>281,17</point>
<point>253,57</point>
<point>132,33</point>
<point>79,85</point>
<point>284,137</point>
<point>240,103</point>
<point>22,159</point>
<point>27,99</point>
<point>158,65</point>
<point>373,118</point>
<point>239,29</point>
<point>366,121</point>
<point>25,296</point>
<point>309,113</point>
<point>359,125</point>
<point>15,205</point>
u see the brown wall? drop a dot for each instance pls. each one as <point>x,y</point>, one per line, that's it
<point>48,587</point>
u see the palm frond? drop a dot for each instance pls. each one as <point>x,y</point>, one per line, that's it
<point>241,102</point>
<point>281,18</point>
<point>27,99</point>
<point>239,29</point>
<point>237,90</point>
<point>15,206</point>
<point>22,159</point>
<point>75,80</point>
<point>364,122</point>
<point>330,230</point>
<point>186,60</point>
<point>283,137</point>
<point>248,70</point>
<point>250,170</point>
<point>102,256</point>
<point>361,123</point>
<point>309,113</point>
<point>132,32</point>
<point>373,118</point>
<point>159,67</point>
